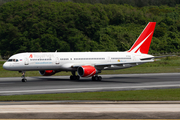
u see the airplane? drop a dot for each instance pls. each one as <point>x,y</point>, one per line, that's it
<point>86,64</point>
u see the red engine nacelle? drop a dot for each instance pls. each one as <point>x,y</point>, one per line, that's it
<point>47,72</point>
<point>86,71</point>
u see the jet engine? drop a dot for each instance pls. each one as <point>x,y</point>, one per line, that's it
<point>86,71</point>
<point>47,72</point>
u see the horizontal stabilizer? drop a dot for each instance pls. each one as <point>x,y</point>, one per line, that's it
<point>149,58</point>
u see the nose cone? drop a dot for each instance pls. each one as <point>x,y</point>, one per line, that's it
<point>6,66</point>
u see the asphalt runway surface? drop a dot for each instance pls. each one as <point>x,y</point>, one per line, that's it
<point>62,84</point>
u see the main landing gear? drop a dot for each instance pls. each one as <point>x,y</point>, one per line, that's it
<point>23,77</point>
<point>96,78</point>
<point>74,76</point>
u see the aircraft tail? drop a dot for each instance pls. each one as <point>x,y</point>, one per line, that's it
<point>143,42</point>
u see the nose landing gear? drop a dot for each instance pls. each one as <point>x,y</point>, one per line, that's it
<point>23,76</point>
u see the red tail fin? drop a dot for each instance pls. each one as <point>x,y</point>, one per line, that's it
<point>143,42</point>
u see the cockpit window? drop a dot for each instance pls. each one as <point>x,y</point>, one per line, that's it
<point>9,60</point>
<point>12,60</point>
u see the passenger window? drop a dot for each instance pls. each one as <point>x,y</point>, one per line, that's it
<point>16,60</point>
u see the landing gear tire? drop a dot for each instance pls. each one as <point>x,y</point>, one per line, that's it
<point>71,77</point>
<point>96,78</point>
<point>76,77</point>
<point>93,78</point>
<point>24,80</point>
<point>99,78</point>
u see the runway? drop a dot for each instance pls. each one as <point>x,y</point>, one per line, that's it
<point>62,84</point>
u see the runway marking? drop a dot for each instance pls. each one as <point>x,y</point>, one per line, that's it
<point>90,88</point>
<point>6,83</point>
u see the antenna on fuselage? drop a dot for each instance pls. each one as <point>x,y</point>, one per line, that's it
<point>56,51</point>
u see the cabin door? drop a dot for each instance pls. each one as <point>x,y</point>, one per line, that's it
<point>26,61</point>
<point>57,61</point>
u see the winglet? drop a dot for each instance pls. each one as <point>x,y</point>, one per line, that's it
<point>143,42</point>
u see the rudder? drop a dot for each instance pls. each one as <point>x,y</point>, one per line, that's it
<point>143,42</point>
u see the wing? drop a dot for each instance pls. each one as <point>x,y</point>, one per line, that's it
<point>116,64</point>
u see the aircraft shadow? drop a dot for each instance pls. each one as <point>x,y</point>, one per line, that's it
<point>104,80</point>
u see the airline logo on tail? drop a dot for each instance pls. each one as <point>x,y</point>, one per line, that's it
<point>143,42</point>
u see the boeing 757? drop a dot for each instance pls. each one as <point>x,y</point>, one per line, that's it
<point>86,64</point>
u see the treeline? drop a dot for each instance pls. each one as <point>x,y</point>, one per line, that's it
<point>27,26</point>
<point>135,3</point>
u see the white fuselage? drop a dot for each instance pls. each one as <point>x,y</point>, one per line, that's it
<point>66,61</point>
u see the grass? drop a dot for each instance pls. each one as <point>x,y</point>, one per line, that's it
<point>165,65</point>
<point>135,95</point>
